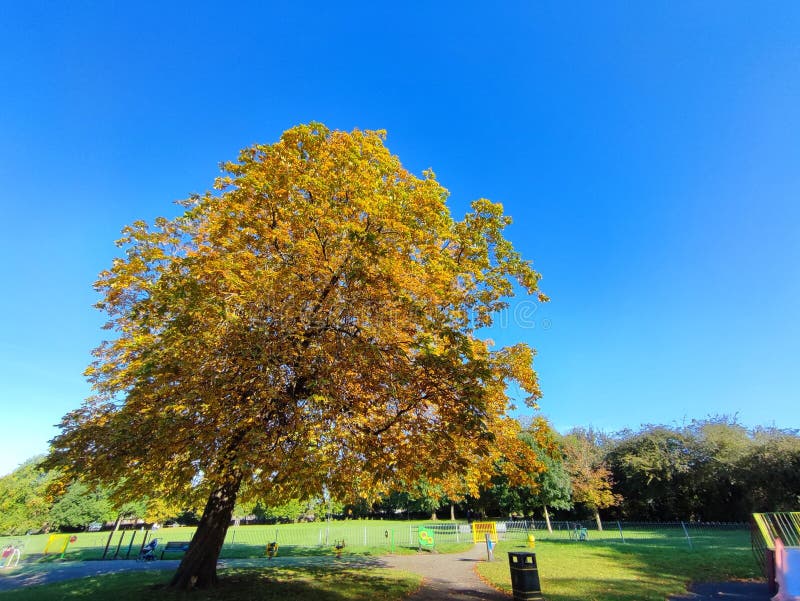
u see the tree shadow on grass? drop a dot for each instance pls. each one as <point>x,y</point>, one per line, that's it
<point>242,551</point>
<point>246,551</point>
<point>343,582</point>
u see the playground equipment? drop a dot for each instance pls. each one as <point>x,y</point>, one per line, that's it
<point>787,566</point>
<point>11,556</point>
<point>579,533</point>
<point>775,538</point>
<point>58,538</point>
<point>426,537</point>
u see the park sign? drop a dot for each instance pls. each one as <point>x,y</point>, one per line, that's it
<point>426,537</point>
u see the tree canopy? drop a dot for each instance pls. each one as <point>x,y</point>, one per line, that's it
<point>24,499</point>
<point>309,325</point>
<point>712,469</point>
<point>591,480</point>
<point>79,506</point>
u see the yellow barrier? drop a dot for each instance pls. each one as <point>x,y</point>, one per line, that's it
<point>481,529</point>
<point>54,537</point>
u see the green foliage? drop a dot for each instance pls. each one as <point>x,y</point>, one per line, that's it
<point>32,499</point>
<point>425,497</point>
<point>24,499</point>
<point>290,511</point>
<point>552,487</point>
<point>80,506</point>
<point>555,488</point>
<point>770,473</point>
<point>709,470</point>
<point>653,469</point>
<point>316,508</point>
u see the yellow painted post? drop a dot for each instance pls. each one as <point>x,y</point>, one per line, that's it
<point>764,530</point>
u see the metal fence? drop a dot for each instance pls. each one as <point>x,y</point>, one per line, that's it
<point>377,535</point>
<point>688,534</point>
<point>392,535</point>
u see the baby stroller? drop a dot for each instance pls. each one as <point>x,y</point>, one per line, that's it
<point>148,552</point>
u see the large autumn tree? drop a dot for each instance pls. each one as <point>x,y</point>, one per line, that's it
<point>307,327</point>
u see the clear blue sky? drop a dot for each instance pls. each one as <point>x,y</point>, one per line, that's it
<point>649,153</point>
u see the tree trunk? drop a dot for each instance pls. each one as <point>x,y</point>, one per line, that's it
<point>452,512</point>
<point>433,516</point>
<point>198,568</point>
<point>597,519</point>
<point>547,519</point>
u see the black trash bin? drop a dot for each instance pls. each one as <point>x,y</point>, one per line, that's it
<point>524,577</point>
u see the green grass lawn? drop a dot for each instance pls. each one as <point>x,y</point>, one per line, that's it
<point>362,537</point>
<point>652,562</point>
<point>310,583</point>
<point>605,571</point>
<point>649,566</point>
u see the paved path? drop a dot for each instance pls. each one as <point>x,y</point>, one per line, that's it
<point>447,576</point>
<point>730,591</point>
<point>31,574</point>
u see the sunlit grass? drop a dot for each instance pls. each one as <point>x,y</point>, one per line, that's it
<point>599,571</point>
<point>362,537</point>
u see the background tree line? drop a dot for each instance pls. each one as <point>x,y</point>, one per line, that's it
<point>710,470</point>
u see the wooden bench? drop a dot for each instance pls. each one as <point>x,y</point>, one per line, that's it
<point>177,546</point>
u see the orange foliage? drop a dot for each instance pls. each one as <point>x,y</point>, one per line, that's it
<point>311,323</point>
